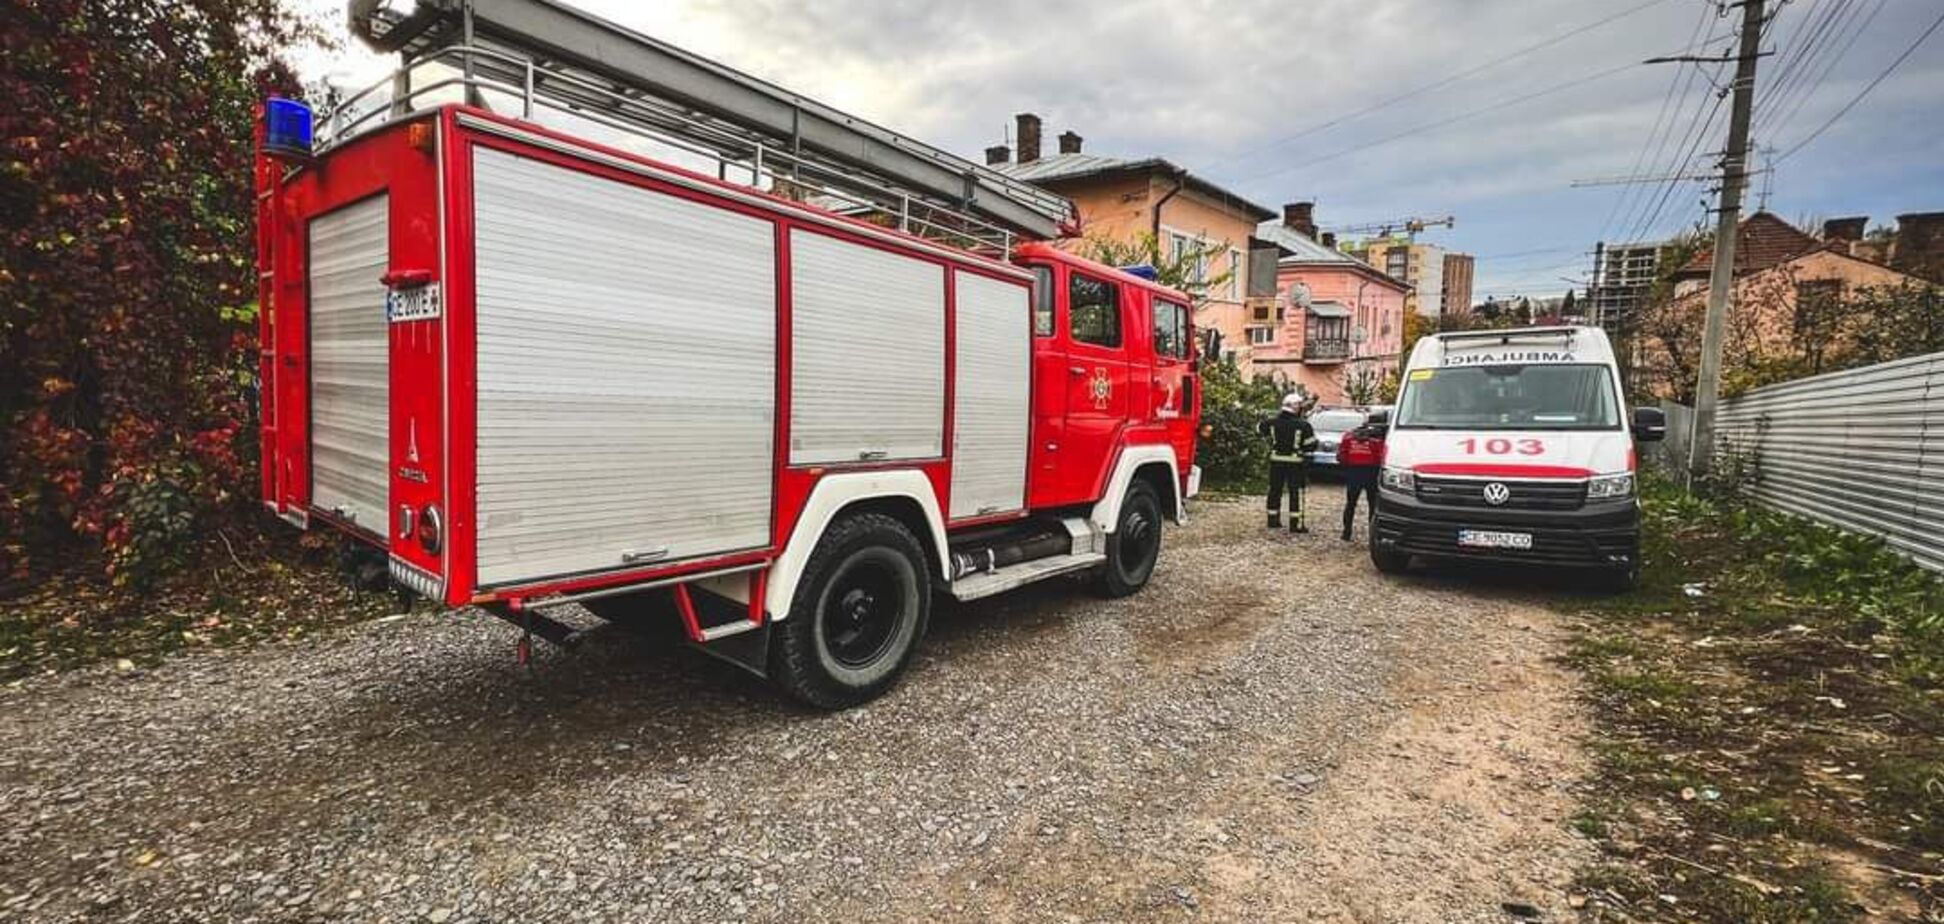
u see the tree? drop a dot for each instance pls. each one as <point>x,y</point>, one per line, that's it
<point>127,313</point>
<point>1187,271</point>
<point>1569,305</point>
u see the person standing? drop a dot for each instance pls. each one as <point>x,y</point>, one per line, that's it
<point>1360,452</point>
<point>1291,440</point>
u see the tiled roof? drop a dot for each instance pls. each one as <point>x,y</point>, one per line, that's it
<point>1059,168</point>
<point>1761,241</point>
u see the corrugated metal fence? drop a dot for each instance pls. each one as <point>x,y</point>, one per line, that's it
<point>1862,450</point>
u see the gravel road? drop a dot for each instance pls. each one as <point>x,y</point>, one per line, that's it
<point>1269,732</point>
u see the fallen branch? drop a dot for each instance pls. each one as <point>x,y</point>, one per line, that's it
<point>220,534</point>
<point>1749,881</point>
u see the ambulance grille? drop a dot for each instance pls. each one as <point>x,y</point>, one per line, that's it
<point>1525,495</point>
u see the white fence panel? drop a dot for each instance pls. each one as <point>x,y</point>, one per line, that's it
<point>1861,449</point>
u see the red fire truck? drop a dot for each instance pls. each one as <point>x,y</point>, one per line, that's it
<point>537,367</point>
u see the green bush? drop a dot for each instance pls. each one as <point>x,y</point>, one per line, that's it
<point>1233,456</point>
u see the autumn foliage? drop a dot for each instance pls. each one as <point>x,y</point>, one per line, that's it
<point>127,316</point>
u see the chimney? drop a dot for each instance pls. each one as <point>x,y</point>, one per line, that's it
<point>997,154</point>
<point>1848,230</point>
<point>1300,217</point>
<point>1329,239</point>
<point>1028,137</point>
<point>1069,143</point>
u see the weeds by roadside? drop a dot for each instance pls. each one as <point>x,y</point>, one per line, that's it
<point>240,587</point>
<point>1771,708</point>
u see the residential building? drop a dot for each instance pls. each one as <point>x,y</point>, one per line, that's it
<point>1456,296</point>
<point>1915,247</point>
<point>1786,300</point>
<point>1623,276</point>
<point>1337,326</point>
<point>1420,266</point>
<point>1123,199</point>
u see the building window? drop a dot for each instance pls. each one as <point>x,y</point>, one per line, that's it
<point>1170,330</point>
<point>1238,271</point>
<point>1397,263</point>
<point>1184,247</point>
<point>1093,311</point>
<point>1262,336</point>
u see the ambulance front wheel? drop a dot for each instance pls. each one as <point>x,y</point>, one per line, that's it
<point>1389,561</point>
<point>1135,543</point>
<point>857,615</point>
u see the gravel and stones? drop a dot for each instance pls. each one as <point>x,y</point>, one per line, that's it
<point>1270,731</point>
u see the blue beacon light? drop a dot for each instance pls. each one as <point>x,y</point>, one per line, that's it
<point>287,128</point>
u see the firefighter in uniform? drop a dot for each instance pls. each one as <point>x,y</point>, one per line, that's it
<point>1291,440</point>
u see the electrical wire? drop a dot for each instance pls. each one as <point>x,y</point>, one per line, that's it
<point>1441,123</point>
<point>1678,87</point>
<point>1784,111</point>
<point>1872,85</point>
<point>1434,85</point>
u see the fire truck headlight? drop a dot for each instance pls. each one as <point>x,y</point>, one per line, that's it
<point>431,529</point>
<point>1610,487</point>
<point>1401,480</point>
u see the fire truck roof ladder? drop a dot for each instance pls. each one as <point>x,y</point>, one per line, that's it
<point>524,56</point>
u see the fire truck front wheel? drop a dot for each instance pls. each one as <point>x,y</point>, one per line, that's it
<point>857,616</point>
<point>1135,544</point>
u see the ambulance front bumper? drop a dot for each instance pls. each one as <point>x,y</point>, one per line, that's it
<point>1597,535</point>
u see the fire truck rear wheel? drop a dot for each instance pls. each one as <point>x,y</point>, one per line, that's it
<point>857,616</point>
<point>1135,544</point>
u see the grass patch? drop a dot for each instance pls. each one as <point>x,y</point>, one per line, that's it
<point>1772,718</point>
<point>267,583</point>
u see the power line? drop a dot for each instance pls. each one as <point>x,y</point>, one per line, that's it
<point>1441,123</point>
<point>1773,126</point>
<point>1434,85</point>
<point>1818,37</point>
<point>1677,87</point>
<point>1872,85</point>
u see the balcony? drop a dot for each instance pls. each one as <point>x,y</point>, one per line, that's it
<point>1324,350</point>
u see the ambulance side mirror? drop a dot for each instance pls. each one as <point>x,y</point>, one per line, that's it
<point>1649,424</point>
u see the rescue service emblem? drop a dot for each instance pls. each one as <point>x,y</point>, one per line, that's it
<point>1101,387</point>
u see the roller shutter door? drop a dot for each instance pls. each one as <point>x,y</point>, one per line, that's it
<point>990,411</point>
<point>867,333</point>
<point>350,363</point>
<point>627,355</point>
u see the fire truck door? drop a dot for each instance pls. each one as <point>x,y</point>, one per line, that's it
<point>1171,399</point>
<point>1097,385</point>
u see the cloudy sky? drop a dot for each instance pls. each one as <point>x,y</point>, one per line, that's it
<point>1320,100</point>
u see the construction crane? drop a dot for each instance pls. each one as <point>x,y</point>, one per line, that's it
<point>1410,226</point>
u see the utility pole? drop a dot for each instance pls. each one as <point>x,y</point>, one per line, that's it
<point>1734,176</point>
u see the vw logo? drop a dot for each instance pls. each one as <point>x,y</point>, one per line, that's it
<point>1497,493</point>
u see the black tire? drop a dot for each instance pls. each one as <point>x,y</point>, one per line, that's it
<point>857,616</point>
<point>1620,580</point>
<point>1388,561</point>
<point>1135,544</point>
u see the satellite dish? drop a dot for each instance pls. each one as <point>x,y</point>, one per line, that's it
<point>1299,295</point>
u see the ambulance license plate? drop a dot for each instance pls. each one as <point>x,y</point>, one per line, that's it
<point>1489,539</point>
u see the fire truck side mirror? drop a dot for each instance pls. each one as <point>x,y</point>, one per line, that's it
<point>1211,346</point>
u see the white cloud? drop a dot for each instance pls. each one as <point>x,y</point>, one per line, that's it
<point>1205,82</point>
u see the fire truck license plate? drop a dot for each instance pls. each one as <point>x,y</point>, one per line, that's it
<point>414,304</point>
<point>1488,539</point>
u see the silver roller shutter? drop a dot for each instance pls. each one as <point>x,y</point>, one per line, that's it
<point>627,357</point>
<point>867,348</point>
<point>350,363</point>
<point>989,407</point>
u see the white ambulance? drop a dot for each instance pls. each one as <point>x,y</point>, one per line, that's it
<point>1514,446</point>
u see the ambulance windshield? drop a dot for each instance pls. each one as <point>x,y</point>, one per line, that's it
<point>1541,396</point>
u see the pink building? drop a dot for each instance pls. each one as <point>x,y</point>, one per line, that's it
<point>1338,323</point>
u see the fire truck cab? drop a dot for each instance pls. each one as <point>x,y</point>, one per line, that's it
<point>533,368</point>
